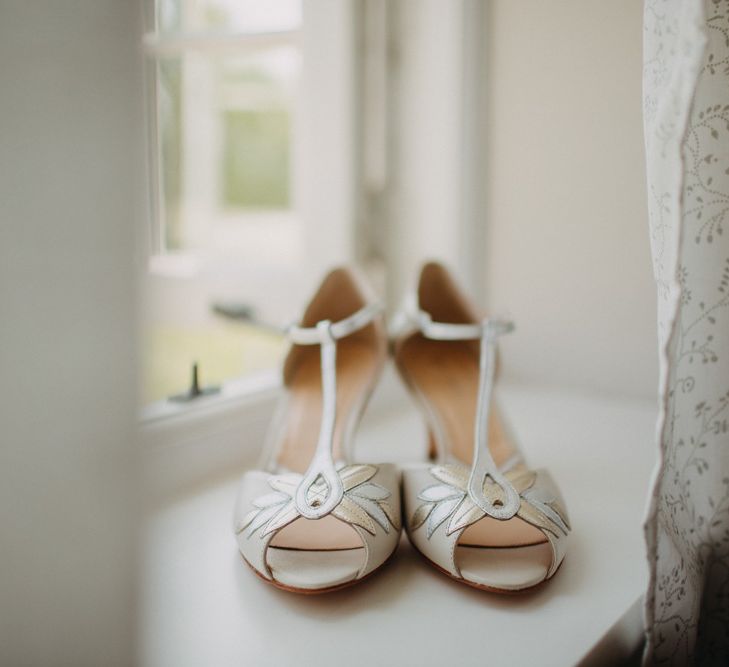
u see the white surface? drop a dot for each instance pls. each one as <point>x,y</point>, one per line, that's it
<point>203,606</point>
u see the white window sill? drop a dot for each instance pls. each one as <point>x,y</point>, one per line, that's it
<point>201,604</point>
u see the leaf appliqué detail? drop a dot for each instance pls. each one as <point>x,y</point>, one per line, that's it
<point>450,500</point>
<point>364,504</point>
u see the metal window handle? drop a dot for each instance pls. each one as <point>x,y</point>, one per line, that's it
<point>195,390</point>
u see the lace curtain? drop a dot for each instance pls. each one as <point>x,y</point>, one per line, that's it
<point>686,115</point>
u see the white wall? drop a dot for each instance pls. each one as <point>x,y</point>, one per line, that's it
<point>425,142</point>
<point>69,171</point>
<point>568,253</point>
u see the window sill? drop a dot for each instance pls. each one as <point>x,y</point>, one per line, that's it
<point>186,444</point>
<point>201,605</point>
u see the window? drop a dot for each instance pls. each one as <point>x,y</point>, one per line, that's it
<point>288,136</point>
<point>242,158</point>
<point>330,131</point>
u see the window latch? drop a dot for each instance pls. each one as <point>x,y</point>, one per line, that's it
<point>195,390</point>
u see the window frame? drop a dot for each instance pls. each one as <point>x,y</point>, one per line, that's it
<point>364,156</point>
<point>327,38</point>
<point>158,45</point>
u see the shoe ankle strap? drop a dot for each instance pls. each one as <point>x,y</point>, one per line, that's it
<point>327,330</point>
<point>489,328</point>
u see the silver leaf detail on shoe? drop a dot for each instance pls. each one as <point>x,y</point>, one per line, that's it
<point>364,503</point>
<point>449,500</point>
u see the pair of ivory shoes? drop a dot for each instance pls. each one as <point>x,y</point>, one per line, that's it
<point>313,520</point>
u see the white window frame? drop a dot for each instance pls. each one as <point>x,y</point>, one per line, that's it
<point>325,194</point>
<point>162,261</point>
<point>380,188</point>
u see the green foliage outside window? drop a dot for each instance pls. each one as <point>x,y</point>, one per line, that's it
<point>256,159</point>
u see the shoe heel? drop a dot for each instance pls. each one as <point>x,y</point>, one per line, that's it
<point>432,446</point>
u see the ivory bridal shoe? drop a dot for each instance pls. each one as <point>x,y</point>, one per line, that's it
<point>477,513</point>
<point>314,520</point>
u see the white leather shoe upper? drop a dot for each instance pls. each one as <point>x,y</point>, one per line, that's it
<point>370,504</point>
<point>438,508</point>
<point>495,525</point>
<point>335,521</point>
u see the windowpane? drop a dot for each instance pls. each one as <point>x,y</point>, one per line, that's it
<point>226,132</point>
<point>225,137</point>
<point>222,350</point>
<point>169,79</point>
<point>256,159</point>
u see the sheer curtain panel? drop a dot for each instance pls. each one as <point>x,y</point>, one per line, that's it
<point>686,116</point>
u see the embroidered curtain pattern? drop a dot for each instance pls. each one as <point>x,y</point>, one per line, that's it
<point>686,117</point>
